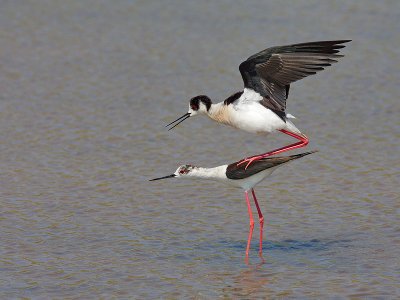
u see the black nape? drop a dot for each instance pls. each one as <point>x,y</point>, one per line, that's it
<point>195,102</point>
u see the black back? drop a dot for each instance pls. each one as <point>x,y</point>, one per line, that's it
<point>233,171</point>
<point>233,98</point>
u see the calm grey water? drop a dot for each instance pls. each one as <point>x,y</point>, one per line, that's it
<point>86,89</point>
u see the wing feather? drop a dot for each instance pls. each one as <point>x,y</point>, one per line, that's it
<point>236,172</point>
<point>271,71</point>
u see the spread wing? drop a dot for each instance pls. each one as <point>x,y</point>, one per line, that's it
<point>271,71</point>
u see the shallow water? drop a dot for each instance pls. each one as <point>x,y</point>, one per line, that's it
<point>86,89</point>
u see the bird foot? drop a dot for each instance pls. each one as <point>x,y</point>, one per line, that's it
<point>249,160</point>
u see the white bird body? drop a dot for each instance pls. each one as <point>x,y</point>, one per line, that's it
<point>249,115</point>
<point>239,176</point>
<point>219,174</point>
<point>234,174</point>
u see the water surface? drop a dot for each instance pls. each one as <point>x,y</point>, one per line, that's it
<point>86,89</point>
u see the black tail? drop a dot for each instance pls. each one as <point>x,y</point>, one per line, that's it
<point>296,156</point>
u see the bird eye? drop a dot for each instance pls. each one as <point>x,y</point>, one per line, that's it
<point>194,107</point>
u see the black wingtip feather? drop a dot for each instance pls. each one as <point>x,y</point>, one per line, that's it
<point>324,43</point>
<point>343,41</point>
<point>328,47</point>
<point>294,156</point>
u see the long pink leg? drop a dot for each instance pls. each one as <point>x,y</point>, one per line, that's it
<point>260,218</point>
<point>303,142</point>
<point>251,224</point>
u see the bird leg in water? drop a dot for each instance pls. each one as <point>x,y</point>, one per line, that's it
<point>260,218</point>
<point>303,142</point>
<point>251,224</point>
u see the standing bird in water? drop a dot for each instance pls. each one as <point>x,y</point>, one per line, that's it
<point>261,106</point>
<point>239,176</point>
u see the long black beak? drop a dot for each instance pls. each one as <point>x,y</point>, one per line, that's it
<point>169,176</point>
<point>179,120</point>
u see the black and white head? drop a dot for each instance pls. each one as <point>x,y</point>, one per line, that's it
<point>182,171</point>
<point>197,105</point>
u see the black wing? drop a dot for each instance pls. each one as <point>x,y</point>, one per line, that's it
<point>233,171</point>
<point>270,72</point>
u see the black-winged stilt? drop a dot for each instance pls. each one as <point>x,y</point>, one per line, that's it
<point>267,75</point>
<point>239,176</point>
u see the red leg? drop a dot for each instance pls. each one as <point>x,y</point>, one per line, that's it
<point>260,218</point>
<point>303,141</point>
<point>251,224</point>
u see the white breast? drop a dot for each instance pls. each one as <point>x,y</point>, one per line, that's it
<point>249,115</point>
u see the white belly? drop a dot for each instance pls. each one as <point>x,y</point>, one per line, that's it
<point>252,181</point>
<point>255,118</point>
